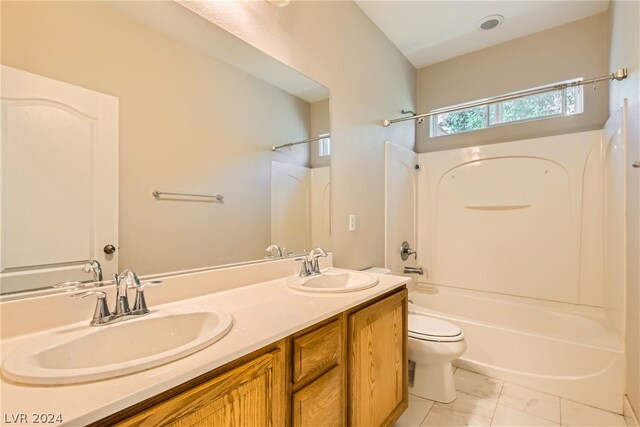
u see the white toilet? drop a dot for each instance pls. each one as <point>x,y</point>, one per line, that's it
<point>433,345</point>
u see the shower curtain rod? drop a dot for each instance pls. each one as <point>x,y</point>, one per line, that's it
<point>291,144</point>
<point>621,74</point>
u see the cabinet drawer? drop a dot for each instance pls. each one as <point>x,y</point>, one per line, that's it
<point>319,403</point>
<point>317,351</point>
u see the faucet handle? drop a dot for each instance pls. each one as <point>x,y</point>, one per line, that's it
<point>406,251</point>
<point>140,305</point>
<point>141,286</point>
<point>304,267</point>
<point>78,285</point>
<point>84,294</point>
<point>101,313</point>
<point>73,284</point>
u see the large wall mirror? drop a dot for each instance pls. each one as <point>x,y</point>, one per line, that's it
<point>140,135</point>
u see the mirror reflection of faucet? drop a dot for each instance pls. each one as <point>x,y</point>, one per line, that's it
<point>94,267</point>
<point>274,247</point>
<point>280,252</point>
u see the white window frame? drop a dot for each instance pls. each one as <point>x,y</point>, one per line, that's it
<point>579,109</point>
<point>324,145</point>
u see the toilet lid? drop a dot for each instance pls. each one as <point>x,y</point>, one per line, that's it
<point>432,329</point>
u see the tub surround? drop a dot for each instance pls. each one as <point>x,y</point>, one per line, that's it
<point>264,309</point>
<point>468,198</point>
<point>538,225</point>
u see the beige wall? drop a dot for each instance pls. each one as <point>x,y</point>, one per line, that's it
<point>625,52</point>
<point>335,44</point>
<point>320,125</point>
<point>577,49</point>
<point>188,123</point>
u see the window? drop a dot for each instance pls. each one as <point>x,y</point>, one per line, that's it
<point>562,102</point>
<point>324,145</point>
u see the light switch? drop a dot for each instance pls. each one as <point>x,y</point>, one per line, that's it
<point>352,223</point>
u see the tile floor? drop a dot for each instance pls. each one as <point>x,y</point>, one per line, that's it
<point>486,401</point>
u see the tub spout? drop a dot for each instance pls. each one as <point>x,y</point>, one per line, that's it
<point>413,270</point>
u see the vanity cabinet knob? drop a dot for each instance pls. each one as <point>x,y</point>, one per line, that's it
<point>109,249</point>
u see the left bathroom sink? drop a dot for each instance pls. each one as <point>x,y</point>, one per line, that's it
<point>95,353</point>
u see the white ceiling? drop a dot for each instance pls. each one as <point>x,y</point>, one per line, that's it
<point>428,31</point>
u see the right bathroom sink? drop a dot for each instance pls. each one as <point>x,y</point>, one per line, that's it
<point>333,280</point>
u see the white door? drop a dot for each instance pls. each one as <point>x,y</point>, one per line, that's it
<point>321,207</point>
<point>290,207</point>
<point>58,181</point>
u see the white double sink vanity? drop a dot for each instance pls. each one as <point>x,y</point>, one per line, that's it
<point>204,329</point>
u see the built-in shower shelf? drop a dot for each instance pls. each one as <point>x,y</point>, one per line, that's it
<point>497,207</point>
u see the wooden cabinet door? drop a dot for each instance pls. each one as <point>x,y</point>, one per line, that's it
<point>243,396</point>
<point>378,391</point>
<point>319,403</point>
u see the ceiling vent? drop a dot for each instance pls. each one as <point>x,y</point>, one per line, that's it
<point>490,22</point>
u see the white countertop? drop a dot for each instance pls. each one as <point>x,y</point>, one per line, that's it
<point>263,313</point>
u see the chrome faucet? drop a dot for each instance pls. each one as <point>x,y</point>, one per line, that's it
<point>309,264</point>
<point>123,281</point>
<point>122,299</point>
<point>94,267</point>
<point>277,248</point>
<point>316,253</point>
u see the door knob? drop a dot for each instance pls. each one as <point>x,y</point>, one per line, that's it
<point>636,164</point>
<point>109,249</point>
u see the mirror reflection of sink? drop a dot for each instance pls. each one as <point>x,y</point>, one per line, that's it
<point>333,281</point>
<point>95,353</point>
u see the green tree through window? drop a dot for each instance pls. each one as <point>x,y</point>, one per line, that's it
<point>550,104</point>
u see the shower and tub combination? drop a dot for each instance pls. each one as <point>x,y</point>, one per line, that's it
<point>522,245</point>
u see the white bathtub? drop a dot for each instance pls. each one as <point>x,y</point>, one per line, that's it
<point>543,347</point>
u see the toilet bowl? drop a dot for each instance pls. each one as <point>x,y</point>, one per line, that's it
<point>433,345</point>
